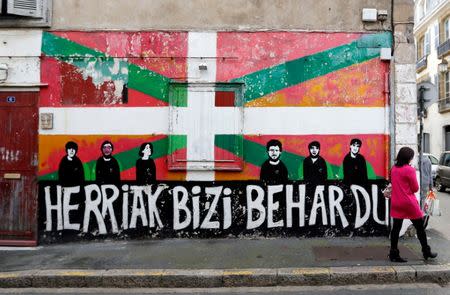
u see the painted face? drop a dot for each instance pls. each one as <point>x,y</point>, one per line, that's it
<point>354,148</point>
<point>147,151</point>
<point>274,152</point>
<point>71,152</point>
<point>107,149</point>
<point>314,151</point>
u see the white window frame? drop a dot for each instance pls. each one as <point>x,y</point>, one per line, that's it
<point>178,100</point>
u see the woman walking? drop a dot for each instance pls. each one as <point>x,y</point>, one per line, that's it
<point>404,204</point>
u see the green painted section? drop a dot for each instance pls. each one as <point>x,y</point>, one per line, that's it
<point>378,40</point>
<point>296,71</point>
<point>176,142</point>
<point>127,159</point>
<point>149,82</point>
<point>255,154</point>
<point>99,66</point>
<point>178,95</point>
<point>235,143</point>
<point>91,62</point>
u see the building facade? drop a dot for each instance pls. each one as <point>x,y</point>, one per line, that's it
<point>202,118</point>
<point>432,34</point>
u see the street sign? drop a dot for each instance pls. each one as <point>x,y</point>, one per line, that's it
<point>430,93</point>
<point>11,99</point>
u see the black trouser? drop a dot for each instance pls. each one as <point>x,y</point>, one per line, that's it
<point>418,224</point>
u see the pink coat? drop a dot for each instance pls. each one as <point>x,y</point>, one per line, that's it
<point>404,204</point>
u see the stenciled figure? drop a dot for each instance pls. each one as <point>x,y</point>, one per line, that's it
<point>107,169</point>
<point>314,166</point>
<point>145,166</point>
<point>273,169</point>
<point>355,167</point>
<point>71,172</point>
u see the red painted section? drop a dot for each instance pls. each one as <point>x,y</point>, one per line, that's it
<point>67,87</point>
<point>137,99</point>
<point>50,74</point>
<point>177,160</point>
<point>224,99</point>
<point>246,52</point>
<point>249,171</point>
<point>333,148</point>
<point>162,52</point>
<point>77,90</point>
<point>229,160</point>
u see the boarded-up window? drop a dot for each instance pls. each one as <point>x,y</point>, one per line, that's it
<point>210,117</point>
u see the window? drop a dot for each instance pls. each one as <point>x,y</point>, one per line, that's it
<point>420,44</point>
<point>208,118</point>
<point>436,35</point>
<point>427,6</point>
<point>433,159</point>
<point>447,86</point>
<point>426,43</point>
<point>430,5</point>
<point>25,13</point>
<point>447,138</point>
<point>445,160</point>
<point>447,28</point>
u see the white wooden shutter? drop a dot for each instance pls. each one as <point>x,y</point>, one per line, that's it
<point>31,8</point>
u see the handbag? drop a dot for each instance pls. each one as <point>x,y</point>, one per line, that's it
<point>431,207</point>
<point>387,191</point>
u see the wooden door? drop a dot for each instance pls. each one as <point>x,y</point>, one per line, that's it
<point>18,162</point>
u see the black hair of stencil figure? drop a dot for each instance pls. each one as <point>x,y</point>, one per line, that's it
<point>145,166</point>
<point>314,166</point>
<point>354,164</point>
<point>273,169</point>
<point>70,171</point>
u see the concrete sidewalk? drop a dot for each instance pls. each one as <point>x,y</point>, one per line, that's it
<point>222,262</point>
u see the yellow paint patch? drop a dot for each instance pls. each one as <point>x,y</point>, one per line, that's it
<point>76,273</point>
<point>309,271</point>
<point>238,273</point>
<point>150,273</point>
<point>8,275</point>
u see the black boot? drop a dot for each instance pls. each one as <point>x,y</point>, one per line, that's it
<point>394,256</point>
<point>427,253</point>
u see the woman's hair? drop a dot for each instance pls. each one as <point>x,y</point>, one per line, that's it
<point>141,149</point>
<point>404,156</point>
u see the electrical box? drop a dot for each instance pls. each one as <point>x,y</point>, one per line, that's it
<point>385,53</point>
<point>369,15</point>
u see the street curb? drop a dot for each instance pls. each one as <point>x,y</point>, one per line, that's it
<point>212,278</point>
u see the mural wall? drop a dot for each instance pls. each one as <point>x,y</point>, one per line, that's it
<point>303,109</point>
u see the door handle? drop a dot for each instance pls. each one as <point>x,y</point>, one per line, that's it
<point>12,176</point>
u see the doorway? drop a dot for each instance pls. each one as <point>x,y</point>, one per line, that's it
<point>18,162</point>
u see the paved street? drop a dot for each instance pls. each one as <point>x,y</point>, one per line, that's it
<point>395,289</point>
